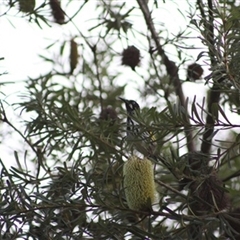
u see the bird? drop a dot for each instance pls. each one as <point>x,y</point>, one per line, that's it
<point>137,137</point>
<point>141,139</point>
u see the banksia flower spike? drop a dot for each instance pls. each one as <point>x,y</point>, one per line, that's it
<point>139,183</point>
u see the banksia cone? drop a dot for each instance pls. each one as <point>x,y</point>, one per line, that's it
<point>26,6</point>
<point>108,124</point>
<point>196,163</point>
<point>113,177</point>
<point>57,12</point>
<point>73,55</point>
<point>108,114</point>
<point>194,72</point>
<point>209,195</point>
<point>139,183</point>
<point>131,57</point>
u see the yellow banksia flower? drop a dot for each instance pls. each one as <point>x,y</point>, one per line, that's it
<point>139,183</point>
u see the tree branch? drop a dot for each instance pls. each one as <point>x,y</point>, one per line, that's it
<point>214,95</point>
<point>171,68</point>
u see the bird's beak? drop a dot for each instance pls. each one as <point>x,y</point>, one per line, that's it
<point>123,99</point>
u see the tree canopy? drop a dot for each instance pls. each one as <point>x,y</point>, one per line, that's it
<point>63,177</point>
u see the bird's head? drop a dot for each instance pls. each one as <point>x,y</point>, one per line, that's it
<point>131,105</point>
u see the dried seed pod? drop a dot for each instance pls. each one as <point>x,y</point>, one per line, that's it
<point>113,177</point>
<point>108,114</point>
<point>194,163</point>
<point>209,194</point>
<point>108,123</point>
<point>108,118</point>
<point>57,12</point>
<point>73,55</point>
<point>139,183</point>
<point>26,6</point>
<point>131,57</point>
<point>194,72</point>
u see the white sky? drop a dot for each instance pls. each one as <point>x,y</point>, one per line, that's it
<point>21,42</point>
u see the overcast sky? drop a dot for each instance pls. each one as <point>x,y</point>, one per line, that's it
<point>21,42</point>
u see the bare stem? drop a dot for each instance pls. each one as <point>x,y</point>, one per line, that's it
<point>171,68</point>
<point>214,94</point>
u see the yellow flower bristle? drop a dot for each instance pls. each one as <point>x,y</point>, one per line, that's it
<point>139,183</point>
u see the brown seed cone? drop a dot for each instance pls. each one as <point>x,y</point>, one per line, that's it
<point>108,114</point>
<point>73,55</point>
<point>209,195</point>
<point>113,176</point>
<point>26,6</point>
<point>196,163</point>
<point>131,57</point>
<point>57,12</point>
<point>108,124</point>
<point>194,72</point>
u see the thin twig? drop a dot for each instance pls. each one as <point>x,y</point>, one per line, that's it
<point>35,150</point>
<point>171,68</point>
<point>214,95</point>
<point>94,51</point>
